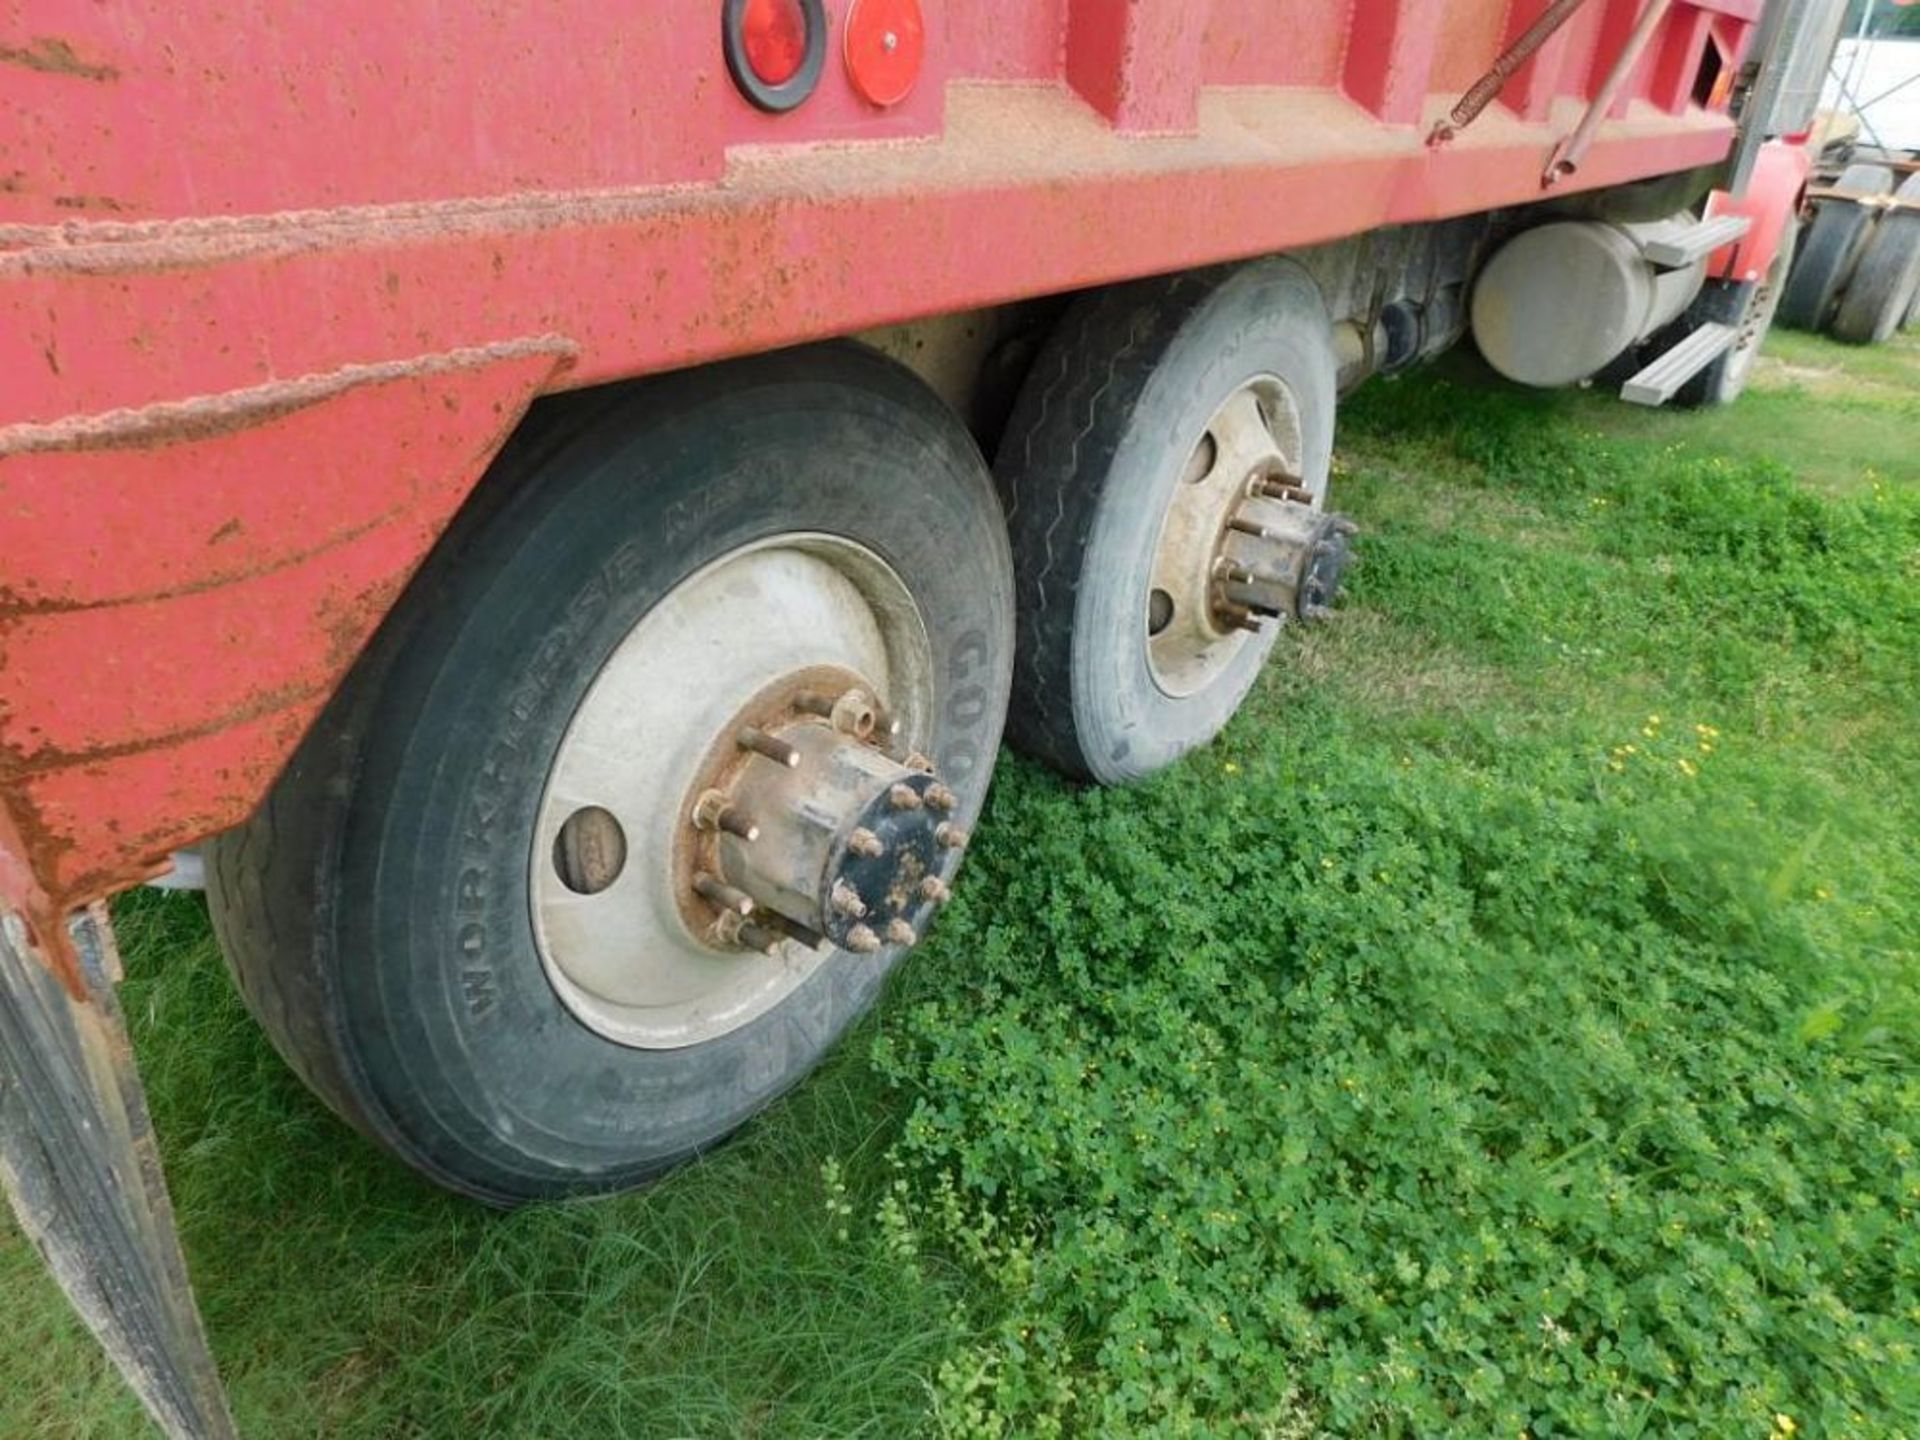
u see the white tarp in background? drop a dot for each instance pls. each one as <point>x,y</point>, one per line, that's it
<point>1884,76</point>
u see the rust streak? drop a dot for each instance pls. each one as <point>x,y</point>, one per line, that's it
<point>17,764</point>
<point>173,422</point>
<point>87,202</point>
<point>53,56</point>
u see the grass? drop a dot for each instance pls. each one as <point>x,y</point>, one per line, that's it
<point>1454,1048</point>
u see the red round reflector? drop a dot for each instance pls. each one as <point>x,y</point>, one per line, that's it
<point>775,49</point>
<point>773,36</point>
<point>886,42</point>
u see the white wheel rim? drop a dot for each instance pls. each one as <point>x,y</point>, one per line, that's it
<point>623,958</point>
<point>1255,432</point>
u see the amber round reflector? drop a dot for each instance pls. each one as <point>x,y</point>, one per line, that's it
<point>775,49</point>
<point>886,41</point>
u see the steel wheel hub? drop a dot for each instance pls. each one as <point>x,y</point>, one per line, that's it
<point>1244,542</point>
<point>741,788</point>
<point>807,828</point>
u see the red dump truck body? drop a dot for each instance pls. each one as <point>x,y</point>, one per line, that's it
<point>275,284</point>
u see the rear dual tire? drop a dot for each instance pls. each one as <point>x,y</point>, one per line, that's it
<point>377,911</point>
<point>1830,247</point>
<point>1884,289</point>
<point>1109,420</point>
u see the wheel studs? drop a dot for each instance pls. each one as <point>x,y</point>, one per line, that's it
<point>901,933</point>
<point>713,811</point>
<point>759,937</point>
<point>1251,599</point>
<point>771,746</point>
<point>935,889</point>
<point>795,931</point>
<point>950,835</point>
<point>722,895</point>
<point>903,797</point>
<point>862,941</point>
<point>1273,489</point>
<point>867,845</point>
<point>941,798</point>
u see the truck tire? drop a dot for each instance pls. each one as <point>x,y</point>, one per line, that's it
<point>1116,437</point>
<point>1830,247</point>
<point>1749,306</point>
<point>521,1003</point>
<point>1886,278</point>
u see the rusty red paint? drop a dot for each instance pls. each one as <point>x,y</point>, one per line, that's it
<point>210,568</point>
<point>244,387</point>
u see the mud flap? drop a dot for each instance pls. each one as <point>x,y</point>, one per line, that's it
<point>78,1158</point>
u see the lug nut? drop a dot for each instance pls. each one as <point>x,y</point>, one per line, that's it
<point>854,714</point>
<point>903,797</point>
<point>941,798</point>
<point>1247,527</point>
<point>846,900</point>
<point>771,746</point>
<point>718,893</point>
<point>901,933</point>
<point>916,761</point>
<point>950,835</point>
<point>725,930</point>
<point>864,843</point>
<point>714,811</point>
<point>935,889</point>
<point>1225,569</point>
<point>862,941</point>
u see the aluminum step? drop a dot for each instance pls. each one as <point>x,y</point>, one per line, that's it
<point>1660,381</point>
<point>1696,242</point>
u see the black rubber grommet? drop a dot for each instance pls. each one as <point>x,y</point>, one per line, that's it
<point>796,87</point>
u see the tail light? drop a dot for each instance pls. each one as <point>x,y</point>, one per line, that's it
<point>775,49</point>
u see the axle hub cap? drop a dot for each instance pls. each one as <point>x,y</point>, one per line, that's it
<point>806,828</point>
